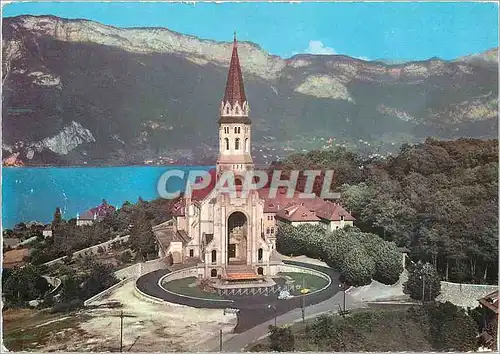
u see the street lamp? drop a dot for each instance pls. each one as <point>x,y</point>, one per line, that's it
<point>423,288</point>
<point>343,287</point>
<point>121,331</point>
<point>275,317</point>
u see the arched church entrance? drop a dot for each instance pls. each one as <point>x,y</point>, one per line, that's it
<point>237,229</point>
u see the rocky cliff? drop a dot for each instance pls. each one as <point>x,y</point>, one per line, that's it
<point>77,91</point>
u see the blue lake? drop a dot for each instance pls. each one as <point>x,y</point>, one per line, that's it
<point>32,194</point>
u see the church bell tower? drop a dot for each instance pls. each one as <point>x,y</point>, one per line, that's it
<point>234,124</point>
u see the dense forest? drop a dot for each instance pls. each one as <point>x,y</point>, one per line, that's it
<point>438,199</point>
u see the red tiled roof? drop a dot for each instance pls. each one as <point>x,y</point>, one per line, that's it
<point>235,91</point>
<point>273,204</point>
<point>200,194</point>
<point>490,301</point>
<point>100,211</point>
<point>297,212</point>
<point>334,212</point>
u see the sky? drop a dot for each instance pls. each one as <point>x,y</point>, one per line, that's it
<point>397,31</point>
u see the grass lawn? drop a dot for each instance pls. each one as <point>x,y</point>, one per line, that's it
<point>187,286</point>
<point>27,329</point>
<point>311,282</point>
<point>363,330</point>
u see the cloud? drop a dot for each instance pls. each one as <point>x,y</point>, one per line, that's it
<point>363,58</point>
<point>317,47</point>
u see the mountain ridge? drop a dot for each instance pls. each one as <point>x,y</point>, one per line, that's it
<point>71,73</point>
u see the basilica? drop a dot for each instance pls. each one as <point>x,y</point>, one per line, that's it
<point>229,235</point>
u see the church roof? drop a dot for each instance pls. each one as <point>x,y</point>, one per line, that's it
<point>235,91</point>
<point>297,212</point>
<point>316,206</point>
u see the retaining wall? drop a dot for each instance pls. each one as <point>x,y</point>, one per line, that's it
<point>464,295</point>
<point>132,272</point>
<point>105,293</point>
<point>90,250</point>
<point>55,282</point>
<point>288,268</point>
<point>179,274</point>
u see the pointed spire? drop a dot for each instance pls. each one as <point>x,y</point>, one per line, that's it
<point>235,91</point>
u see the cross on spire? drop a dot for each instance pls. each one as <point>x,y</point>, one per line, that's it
<point>235,91</point>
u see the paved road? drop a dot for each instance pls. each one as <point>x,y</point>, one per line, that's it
<point>255,314</point>
<point>254,310</point>
<point>238,342</point>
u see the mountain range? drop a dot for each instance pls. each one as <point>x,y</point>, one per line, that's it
<point>78,92</point>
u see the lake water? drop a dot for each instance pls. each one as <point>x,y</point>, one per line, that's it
<point>32,193</point>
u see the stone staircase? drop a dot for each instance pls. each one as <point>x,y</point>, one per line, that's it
<point>239,268</point>
<point>240,272</point>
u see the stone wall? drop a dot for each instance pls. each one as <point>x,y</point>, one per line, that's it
<point>287,268</point>
<point>105,293</point>
<point>130,273</point>
<point>464,295</point>
<point>55,282</point>
<point>180,274</point>
<point>91,250</point>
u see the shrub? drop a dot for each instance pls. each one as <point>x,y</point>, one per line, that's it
<point>282,339</point>
<point>126,257</point>
<point>357,267</point>
<point>67,306</point>
<point>451,328</point>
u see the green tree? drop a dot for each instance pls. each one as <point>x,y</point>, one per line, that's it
<point>322,328</point>
<point>282,339</point>
<point>56,222</point>
<point>451,328</point>
<point>99,278</point>
<point>388,259</point>
<point>24,284</point>
<point>142,238</point>
<point>423,279</point>
<point>357,267</point>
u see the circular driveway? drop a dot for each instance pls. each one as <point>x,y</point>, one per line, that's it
<point>254,310</point>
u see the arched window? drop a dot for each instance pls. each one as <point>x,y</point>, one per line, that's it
<point>239,131</point>
<point>236,110</point>
<point>235,130</point>
<point>246,145</point>
<point>267,231</point>
<point>213,273</point>
<point>260,254</point>
<point>237,144</point>
<point>272,230</point>
<point>227,143</point>
<point>214,256</point>
<point>191,253</point>
<point>260,271</point>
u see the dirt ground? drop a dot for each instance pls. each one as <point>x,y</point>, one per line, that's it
<point>14,257</point>
<point>147,327</point>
